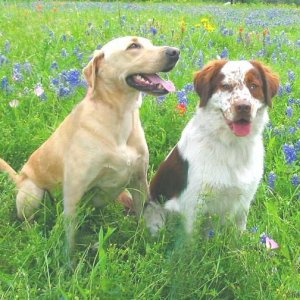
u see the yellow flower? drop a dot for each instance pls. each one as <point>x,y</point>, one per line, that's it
<point>182,25</point>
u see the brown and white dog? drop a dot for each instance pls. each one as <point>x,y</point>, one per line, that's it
<point>216,166</point>
<point>101,144</point>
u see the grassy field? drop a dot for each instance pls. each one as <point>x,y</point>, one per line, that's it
<point>43,48</point>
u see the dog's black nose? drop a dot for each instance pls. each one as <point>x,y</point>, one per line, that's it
<point>172,52</point>
<point>243,108</point>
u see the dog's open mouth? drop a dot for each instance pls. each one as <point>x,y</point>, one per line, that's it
<point>241,127</point>
<point>150,83</point>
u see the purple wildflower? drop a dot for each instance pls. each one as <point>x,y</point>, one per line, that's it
<point>225,53</point>
<point>291,75</point>
<point>290,153</point>
<point>291,101</point>
<point>292,130</point>
<point>64,52</point>
<point>295,180</point>
<point>3,59</point>
<point>280,90</point>
<point>54,65</point>
<point>153,30</point>
<point>7,46</point>
<point>297,146</point>
<point>271,180</point>
<point>201,59</point>
<point>63,91</point>
<point>298,123</point>
<point>182,97</point>
<point>288,88</point>
<point>4,83</point>
<point>27,67</point>
<point>289,111</point>
<point>211,233</point>
<point>160,99</point>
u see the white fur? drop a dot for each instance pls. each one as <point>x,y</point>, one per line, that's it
<point>224,169</point>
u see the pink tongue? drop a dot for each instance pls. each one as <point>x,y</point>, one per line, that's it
<point>167,84</point>
<point>241,129</point>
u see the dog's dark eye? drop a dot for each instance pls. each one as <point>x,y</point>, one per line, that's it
<point>134,46</point>
<point>226,87</point>
<point>253,86</point>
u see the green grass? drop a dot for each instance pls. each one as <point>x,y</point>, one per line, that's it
<point>127,263</point>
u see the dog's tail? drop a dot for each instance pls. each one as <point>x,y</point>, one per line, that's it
<point>4,166</point>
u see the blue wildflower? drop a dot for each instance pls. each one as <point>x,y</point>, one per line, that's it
<point>73,77</point>
<point>295,180</point>
<point>54,65</point>
<point>63,91</point>
<point>4,83</point>
<point>280,90</point>
<point>27,67</point>
<point>3,60</point>
<point>288,88</point>
<point>254,229</point>
<point>160,99</point>
<point>182,97</point>
<point>297,146</point>
<point>290,153</point>
<point>7,46</point>
<point>189,87</point>
<point>225,53</point>
<point>64,52</point>
<point>291,75</point>
<point>271,180</point>
<point>17,75</point>
<point>292,130</point>
<point>298,123</point>
<point>291,101</point>
<point>201,59</point>
<point>55,81</point>
<point>289,111</point>
<point>153,30</point>
<point>64,38</point>
<point>211,233</point>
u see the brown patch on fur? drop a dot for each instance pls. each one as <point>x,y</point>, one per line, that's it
<point>207,81</point>
<point>171,177</point>
<point>254,83</point>
<point>270,81</point>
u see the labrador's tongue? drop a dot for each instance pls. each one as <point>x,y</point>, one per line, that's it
<point>241,129</point>
<point>167,84</point>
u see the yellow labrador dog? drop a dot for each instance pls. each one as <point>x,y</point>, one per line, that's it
<point>101,143</point>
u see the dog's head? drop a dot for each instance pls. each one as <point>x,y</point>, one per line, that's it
<point>237,90</point>
<point>132,63</point>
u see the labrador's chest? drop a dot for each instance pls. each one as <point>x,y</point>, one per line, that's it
<point>117,171</point>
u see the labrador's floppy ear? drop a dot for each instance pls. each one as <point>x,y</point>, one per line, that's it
<point>91,70</point>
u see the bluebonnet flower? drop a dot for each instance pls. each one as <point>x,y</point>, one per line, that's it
<point>290,153</point>
<point>17,75</point>
<point>189,87</point>
<point>291,75</point>
<point>288,88</point>
<point>27,67</point>
<point>271,180</point>
<point>254,229</point>
<point>289,111</point>
<point>295,180</point>
<point>153,30</point>
<point>225,53</point>
<point>7,46</point>
<point>64,52</point>
<point>201,59</point>
<point>64,37</point>
<point>292,130</point>
<point>99,46</point>
<point>72,77</point>
<point>182,97</point>
<point>54,65</point>
<point>4,83</point>
<point>291,101</point>
<point>55,81</point>
<point>63,91</point>
<point>297,146</point>
<point>211,233</point>
<point>3,60</point>
<point>280,90</point>
<point>40,92</point>
<point>160,99</point>
<point>298,123</point>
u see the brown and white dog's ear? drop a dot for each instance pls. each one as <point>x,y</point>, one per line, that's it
<point>206,81</point>
<point>270,81</point>
<point>91,70</point>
